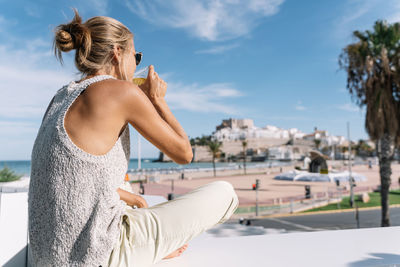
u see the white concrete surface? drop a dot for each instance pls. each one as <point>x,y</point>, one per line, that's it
<point>249,247</point>
<point>14,222</point>
<point>352,248</point>
<point>13,229</point>
<point>154,200</point>
<point>21,185</point>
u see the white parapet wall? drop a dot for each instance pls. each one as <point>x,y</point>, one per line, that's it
<point>13,229</point>
<point>14,223</point>
<point>353,248</point>
<point>337,248</point>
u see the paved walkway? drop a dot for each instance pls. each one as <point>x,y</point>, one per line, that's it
<point>272,192</point>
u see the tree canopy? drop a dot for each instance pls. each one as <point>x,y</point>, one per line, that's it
<point>372,64</point>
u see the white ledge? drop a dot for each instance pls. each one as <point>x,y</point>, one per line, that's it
<point>353,248</point>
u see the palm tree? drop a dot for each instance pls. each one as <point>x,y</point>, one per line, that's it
<point>372,64</point>
<point>8,175</point>
<point>244,145</point>
<point>215,149</point>
<point>317,143</point>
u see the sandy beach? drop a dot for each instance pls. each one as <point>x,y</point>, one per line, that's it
<point>272,192</point>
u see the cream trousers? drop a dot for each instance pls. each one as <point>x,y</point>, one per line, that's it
<point>147,235</point>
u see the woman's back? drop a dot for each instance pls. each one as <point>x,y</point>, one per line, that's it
<point>74,208</point>
<point>94,121</point>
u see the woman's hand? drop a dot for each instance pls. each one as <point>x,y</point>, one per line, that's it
<point>154,87</point>
<point>132,199</point>
<point>141,202</point>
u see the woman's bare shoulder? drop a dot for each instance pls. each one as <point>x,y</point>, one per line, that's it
<point>114,90</point>
<point>116,86</point>
<point>124,87</point>
<point>127,96</point>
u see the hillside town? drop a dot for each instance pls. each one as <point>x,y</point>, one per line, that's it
<point>239,137</point>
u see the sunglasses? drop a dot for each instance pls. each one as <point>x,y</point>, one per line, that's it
<point>138,57</point>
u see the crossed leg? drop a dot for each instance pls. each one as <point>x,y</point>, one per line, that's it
<point>161,232</point>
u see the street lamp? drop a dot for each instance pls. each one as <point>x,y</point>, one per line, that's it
<point>256,186</point>
<point>244,144</point>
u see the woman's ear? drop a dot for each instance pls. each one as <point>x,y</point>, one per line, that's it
<point>116,58</point>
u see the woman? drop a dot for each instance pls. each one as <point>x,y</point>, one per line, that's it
<point>78,215</point>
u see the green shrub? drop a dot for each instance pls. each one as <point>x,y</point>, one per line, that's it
<point>7,175</point>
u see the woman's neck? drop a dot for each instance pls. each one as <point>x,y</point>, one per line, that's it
<point>101,72</point>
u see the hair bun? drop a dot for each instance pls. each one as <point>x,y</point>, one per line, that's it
<point>71,36</point>
<point>64,41</point>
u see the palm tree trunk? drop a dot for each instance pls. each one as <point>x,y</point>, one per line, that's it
<point>244,163</point>
<point>385,156</point>
<point>214,166</point>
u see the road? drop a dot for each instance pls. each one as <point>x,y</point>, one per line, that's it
<point>331,221</point>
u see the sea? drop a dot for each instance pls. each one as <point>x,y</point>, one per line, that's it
<point>23,167</point>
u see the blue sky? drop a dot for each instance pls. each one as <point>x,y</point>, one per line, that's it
<point>274,61</point>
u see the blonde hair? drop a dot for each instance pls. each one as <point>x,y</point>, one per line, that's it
<point>94,42</point>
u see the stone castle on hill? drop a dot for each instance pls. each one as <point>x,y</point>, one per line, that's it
<point>269,142</point>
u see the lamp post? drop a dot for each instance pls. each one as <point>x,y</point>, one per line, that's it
<point>349,163</point>
<point>244,144</point>
<point>256,186</point>
<point>351,180</point>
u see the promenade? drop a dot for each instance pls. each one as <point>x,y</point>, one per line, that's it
<point>271,192</point>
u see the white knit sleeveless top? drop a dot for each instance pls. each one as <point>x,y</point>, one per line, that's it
<point>74,207</point>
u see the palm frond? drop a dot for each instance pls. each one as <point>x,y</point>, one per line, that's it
<point>372,64</point>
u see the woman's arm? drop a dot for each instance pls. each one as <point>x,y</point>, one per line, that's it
<point>150,115</point>
<point>155,88</point>
<point>163,110</point>
<point>132,199</point>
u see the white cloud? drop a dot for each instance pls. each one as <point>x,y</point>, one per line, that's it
<point>225,92</point>
<point>357,10</point>
<point>204,99</point>
<point>217,49</point>
<point>16,139</point>
<point>5,24</point>
<point>289,118</point>
<point>16,128</point>
<point>348,22</point>
<point>361,15</point>
<point>395,13</point>
<point>349,107</point>
<point>33,10</point>
<point>29,78</point>
<point>300,106</point>
<point>211,20</point>
<point>394,18</point>
<point>100,6</point>
<point>86,9</point>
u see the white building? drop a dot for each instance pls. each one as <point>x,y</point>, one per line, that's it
<point>232,131</point>
<point>325,138</point>
<point>237,129</point>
